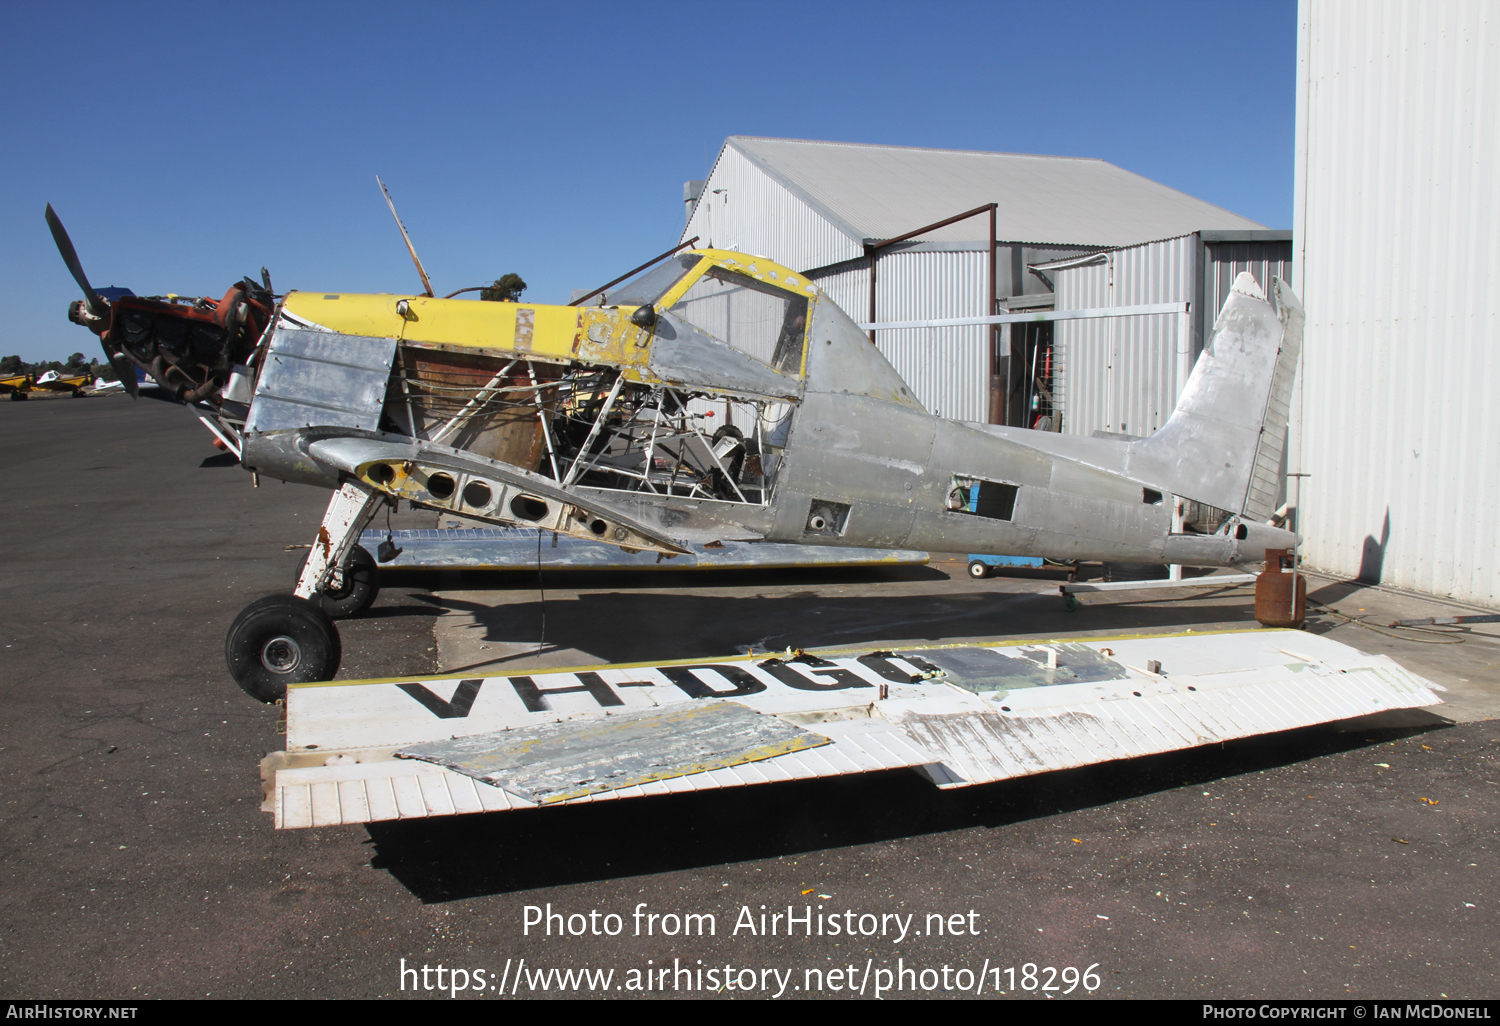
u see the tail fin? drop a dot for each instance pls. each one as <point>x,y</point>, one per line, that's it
<point>1223,443</point>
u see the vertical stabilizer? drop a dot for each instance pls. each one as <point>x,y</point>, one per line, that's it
<point>1223,444</point>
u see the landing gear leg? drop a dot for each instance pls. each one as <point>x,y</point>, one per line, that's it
<point>291,639</point>
<point>350,589</point>
<point>349,511</point>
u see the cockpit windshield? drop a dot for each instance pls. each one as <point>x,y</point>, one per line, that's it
<point>652,285</point>
<point>755,317</point>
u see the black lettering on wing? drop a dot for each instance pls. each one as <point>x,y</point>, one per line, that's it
<point>455,709</point>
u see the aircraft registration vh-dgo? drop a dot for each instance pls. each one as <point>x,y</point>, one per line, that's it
<point>595,422</point>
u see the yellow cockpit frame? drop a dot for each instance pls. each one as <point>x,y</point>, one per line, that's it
<point>556,334</point>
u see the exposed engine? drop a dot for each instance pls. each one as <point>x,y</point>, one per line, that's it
<point>190,346</point>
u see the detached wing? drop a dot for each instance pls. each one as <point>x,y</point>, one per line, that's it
<point>361,751</point>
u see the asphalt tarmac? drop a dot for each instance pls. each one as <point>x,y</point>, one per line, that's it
<point>1349,860</point>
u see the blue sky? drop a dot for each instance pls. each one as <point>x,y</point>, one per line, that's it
<point>186,145</point>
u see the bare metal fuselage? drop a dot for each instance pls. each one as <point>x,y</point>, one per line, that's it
<point>593,423</point>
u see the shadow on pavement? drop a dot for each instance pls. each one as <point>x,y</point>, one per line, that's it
<point>495,853</point>
<point>627,626</point>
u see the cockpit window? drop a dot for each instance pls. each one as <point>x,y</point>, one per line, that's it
<point>652,285</point>
<point>758,319</point>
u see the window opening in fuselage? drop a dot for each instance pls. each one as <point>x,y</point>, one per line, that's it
<point>993,500</point>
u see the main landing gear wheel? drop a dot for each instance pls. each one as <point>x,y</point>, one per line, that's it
<point>281,640</point>
<point>360,584</point>
<point>978,570</point>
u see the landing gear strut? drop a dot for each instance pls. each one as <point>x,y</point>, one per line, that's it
<point>291,639</point>
<point>350,589</point>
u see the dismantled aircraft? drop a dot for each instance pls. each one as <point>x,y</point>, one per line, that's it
<point>719,399</point>
<point>716,397</point>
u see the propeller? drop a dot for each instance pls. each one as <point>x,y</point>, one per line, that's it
<point>95,302</point>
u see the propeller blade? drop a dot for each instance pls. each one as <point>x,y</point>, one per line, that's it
<point>97,306</point>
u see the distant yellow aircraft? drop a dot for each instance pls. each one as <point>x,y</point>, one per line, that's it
<point>20,386</point>
<point>55,382</point>
<point>16,386</point>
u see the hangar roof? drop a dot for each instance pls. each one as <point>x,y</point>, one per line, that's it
<point>880,192</point>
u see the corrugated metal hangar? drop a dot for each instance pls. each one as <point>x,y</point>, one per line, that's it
<point>875,227</point>
<point>1394,445</point>
<point>1396,420</point>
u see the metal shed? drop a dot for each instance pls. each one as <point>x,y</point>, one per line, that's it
<point>844,213</point>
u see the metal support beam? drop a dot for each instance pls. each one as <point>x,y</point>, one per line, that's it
<point>656,259</point>
<point>874,246</point>
<point>349,510</point>
<point>1221,581</point>
<point>999,408</point>
<point>1038,316</point>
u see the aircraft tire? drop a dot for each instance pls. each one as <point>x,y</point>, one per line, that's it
<point>978,570</point>
<point>361,586</point>
<point>281,640</point>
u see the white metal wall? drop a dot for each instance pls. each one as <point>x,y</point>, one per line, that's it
<point>1120,373</point>
<point>1225,260</point>
<point>742,208</point>
<point>1397,417</point>
<point>947,369</point>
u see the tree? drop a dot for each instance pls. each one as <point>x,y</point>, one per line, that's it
<point>504,290</point>
<point>77,362</point>
<point>11,365</point>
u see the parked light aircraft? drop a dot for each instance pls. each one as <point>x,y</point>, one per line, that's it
<point>16,386</point>
<point>19,386</point>
<point>718,396</point>
<point>52,381</point>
